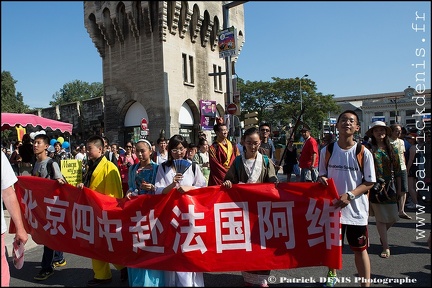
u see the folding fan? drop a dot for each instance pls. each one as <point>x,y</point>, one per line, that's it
<point>181,165</point>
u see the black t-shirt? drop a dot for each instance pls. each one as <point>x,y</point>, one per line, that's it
<point>291,156</point>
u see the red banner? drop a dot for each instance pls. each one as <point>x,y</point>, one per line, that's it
<point>211,229</point>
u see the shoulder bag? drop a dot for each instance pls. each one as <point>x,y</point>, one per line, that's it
<point>383,192</point>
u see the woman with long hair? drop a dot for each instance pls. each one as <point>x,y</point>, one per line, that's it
<point>290,160</point>
<point>387,165</point>
<point>141,179</point>
<point>168,177</point>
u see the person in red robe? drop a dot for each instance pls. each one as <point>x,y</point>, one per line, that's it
<point>221,155</point>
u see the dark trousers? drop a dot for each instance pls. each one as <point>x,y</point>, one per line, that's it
<point>48,257</point>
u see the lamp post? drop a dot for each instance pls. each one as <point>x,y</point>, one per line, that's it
<point>301,96</point>
<point>228,71</point>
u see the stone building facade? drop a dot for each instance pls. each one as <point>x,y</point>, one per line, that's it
<point>87,118</point>
<point>156,59</point>
<point>409,108</point>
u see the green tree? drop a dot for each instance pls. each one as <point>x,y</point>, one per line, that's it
<point>256,96</point>
<point>77,91</point>
<point>279,102</point>
<point>11,101</point>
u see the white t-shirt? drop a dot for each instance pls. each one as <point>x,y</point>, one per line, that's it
<point>344,169</point>
<point>8,178</point>
<point>161,158</point>
<point>80,156</point>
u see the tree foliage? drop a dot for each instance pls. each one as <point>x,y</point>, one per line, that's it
<point>11,100</point>
<point>77,91</point>
<point>279,102</point>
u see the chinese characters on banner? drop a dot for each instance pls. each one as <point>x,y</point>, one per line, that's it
<point>208,229</point>
<point>208,114</point>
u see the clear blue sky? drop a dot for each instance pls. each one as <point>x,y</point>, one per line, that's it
<point>347,48</point>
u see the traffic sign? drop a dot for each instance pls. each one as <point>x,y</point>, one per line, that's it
<point>232,108</point>
<point>251,120</point>
<point>251,114</point>
<point>144,126</point>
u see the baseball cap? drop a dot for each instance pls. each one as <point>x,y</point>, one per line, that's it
<point>305,128</point>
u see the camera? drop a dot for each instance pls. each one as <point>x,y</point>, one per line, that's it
<point>128,164</point>
<point>377,186</point>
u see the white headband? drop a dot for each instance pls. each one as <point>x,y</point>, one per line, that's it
<point>145,141</point>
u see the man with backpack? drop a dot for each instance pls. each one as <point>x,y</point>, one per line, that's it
<point>353,173</point>
<point>46,167</point>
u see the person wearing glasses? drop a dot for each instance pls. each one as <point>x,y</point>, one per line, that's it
<point>167,179</point>
<point>252,167</point>
<point>352,184</point>
<point>308,160</point>
<point>267,147</point>
<point>221,155</point>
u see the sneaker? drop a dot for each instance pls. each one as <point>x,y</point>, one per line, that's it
<point>331,279</point>
<point>43,275</point>
<point>96,282</point>
<point>60,263</point>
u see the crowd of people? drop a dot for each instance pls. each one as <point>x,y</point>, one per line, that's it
<point>148,168</point>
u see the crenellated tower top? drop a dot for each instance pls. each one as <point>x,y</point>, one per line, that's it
<point>112,22</point>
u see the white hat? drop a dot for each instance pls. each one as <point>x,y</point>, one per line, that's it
<point>378,124</point>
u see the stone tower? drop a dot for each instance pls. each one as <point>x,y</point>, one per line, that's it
<point>156,59</point>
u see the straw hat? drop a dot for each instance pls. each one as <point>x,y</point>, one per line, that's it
<point>378,124</point>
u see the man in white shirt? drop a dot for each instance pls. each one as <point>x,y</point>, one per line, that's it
<point>400,145</point>
<point>352,182</point>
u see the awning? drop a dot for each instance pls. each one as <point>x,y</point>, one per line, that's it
<point>9,120</point>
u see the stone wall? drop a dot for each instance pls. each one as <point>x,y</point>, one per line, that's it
<point>86,117</point>
<point>142,44</point>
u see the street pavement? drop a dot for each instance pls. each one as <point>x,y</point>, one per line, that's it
<point>410,263</point>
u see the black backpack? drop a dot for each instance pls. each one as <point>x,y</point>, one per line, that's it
<point>50,170</point>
